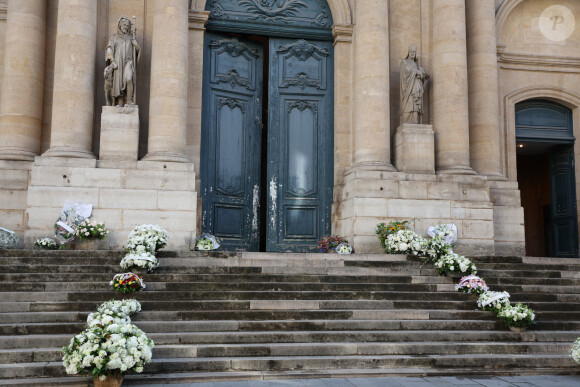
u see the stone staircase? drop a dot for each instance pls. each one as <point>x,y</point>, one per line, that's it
<point>248,316</point>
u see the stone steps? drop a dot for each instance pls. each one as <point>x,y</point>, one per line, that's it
<point>309,349</point>
<point>494,361</point>
<point>263,313</point>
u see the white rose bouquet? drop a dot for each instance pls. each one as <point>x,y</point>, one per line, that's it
<point>144,260</point>
<point>405,242</point>
<point>517,316</point>
<point>107,348</point>
<point>152,237</point>
<point>493,301</point>
<point>45,244</point>
<point>575,352</point>
<point>455,263</point>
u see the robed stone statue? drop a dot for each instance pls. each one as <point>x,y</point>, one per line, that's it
<point>121,56</point>
<point>413,79</point>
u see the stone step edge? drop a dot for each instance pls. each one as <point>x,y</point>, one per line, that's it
<point>237,376</point>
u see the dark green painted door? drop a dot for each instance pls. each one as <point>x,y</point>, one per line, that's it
<point>300,144</point>
<point>294,181</point>
<point>231,141</point>
<point>563,203</point>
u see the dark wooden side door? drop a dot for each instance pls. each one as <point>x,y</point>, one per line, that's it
<point>300,144</point>
<point>231,140</point>
<point>563,202</point>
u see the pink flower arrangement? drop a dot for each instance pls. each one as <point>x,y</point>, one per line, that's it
<point>471,284</point>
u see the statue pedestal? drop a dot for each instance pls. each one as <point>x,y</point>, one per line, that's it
<point>415,149</point>
<point>119,133</point>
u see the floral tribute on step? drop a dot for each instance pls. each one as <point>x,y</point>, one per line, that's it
<point>110,345</point>
<point>397,237</point>
<point>207,242</point>
<point>127,283</point>
<point>330,243</point>
<point>575,351</point>
<point>143,243</point>
<point>45,244</point>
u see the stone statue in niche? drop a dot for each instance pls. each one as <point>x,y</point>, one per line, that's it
<point>413,78</point>
<point>121,57</point>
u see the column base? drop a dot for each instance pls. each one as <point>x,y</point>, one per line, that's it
<point>173,157</point>
<point>371,166</point>
<point>16,154</point>
<point>456,170</point>
<point>494,176</point>
<point>69,151</point>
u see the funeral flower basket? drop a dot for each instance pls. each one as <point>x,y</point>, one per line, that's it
<point>405,241</point>
<point>384,230</point>
<point>108,349</point>
<point>45,244</point>
<point>127,282</point>
<point>519,316</point>
<point>493,301</point>
<point>471,284</point>
<point>91,230</point>
<point>143,262</point>
<point>455,263</point>
<point>150,236</point>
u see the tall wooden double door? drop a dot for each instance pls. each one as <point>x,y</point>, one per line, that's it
<point>267,142</point>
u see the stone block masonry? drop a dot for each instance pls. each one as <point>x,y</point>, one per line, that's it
<point>150,192</point>
<point>487,220</point>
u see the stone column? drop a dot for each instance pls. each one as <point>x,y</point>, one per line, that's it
<point>484,135</point>
<point>22,88</point>
<point>169,69</point>
<point>74,80</point>
<point>372,133</point>
<point>450,95</point>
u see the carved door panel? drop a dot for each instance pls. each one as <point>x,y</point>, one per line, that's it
<point>231,141</point>
<point>300,144</point>
<point>563,203</point>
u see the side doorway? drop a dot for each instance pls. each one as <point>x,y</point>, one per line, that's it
<point>546,177</point>
<point>267,141</point>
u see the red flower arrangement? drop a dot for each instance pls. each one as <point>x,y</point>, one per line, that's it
<point>127,283</point>
<point>330,243</point>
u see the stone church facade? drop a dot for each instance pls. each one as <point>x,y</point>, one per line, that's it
<point>271,123</point>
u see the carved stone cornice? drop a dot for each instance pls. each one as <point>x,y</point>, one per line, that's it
<point>532,62</point>
<point>342,33</point>
<point>198,19</point>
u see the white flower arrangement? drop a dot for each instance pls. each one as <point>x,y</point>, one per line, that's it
<point>143,260</point>
<point>517,316</point>
<point>91,230</point>
<point>152,237</point>
<point>343,248</point>
<point>575,351</point>
<point>8,239</point>
<point>493,301</point>
<point>405,242</point>
<point>446,232</point>
<point>206,242</point>
<point>45,244</point>
<point>119,308</point>
<point>455,263</point>
<point>108,347</point>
